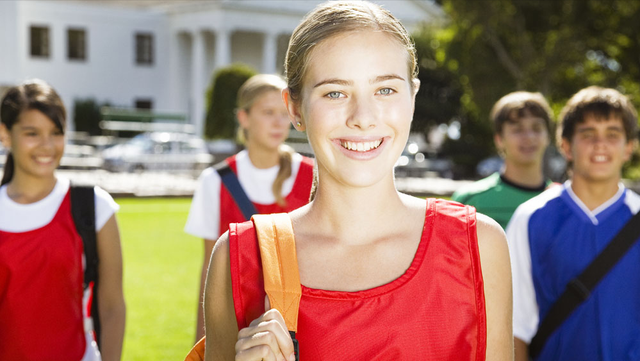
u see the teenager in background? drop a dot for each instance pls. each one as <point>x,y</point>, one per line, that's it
<point>271,175</point>
<point>522,124</point>
<point>44,311</point>
<point>556,235</point>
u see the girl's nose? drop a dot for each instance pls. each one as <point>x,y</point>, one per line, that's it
<point>362,115</point>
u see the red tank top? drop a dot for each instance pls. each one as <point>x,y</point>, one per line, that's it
<point>298,197</point>
<point>41,291</point>
<point>434,311</point>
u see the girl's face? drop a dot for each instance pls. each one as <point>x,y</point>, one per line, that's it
<point>266,122</point>
<point>36,144</point>
<point>357,103</point>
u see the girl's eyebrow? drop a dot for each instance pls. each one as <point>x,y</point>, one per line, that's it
<point>334,81</point>
<point>382,78</point>
<point>343,82</point>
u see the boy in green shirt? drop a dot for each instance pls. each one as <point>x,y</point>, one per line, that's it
<point>522,125</point>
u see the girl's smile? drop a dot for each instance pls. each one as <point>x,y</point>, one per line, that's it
<point>361,148</point>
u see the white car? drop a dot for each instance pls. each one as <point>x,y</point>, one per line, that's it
<point>158,151</point>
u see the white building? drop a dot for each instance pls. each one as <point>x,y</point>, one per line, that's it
<point>157,54</point>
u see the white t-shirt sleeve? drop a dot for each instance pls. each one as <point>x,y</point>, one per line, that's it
<point>105,207</point>
<point>525,306</point>
<point>204,216</point>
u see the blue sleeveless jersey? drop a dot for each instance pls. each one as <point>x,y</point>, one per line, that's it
<point>562,237</point>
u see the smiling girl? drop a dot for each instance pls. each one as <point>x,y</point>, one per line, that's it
<point>385,276</point>
<point>272,176</point>
<point>43,306</point>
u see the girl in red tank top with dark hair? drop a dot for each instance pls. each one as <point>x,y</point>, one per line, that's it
<point>43,302</point>
<point>385,276</point>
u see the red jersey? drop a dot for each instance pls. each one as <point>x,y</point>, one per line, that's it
<point>434,311</point>
<point>41,291</point>
<point>298,197</point>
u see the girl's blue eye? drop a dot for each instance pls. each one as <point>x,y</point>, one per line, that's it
<point>334,95</point>
<point>385,91</point>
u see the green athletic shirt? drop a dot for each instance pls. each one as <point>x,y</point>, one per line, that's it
<point>497,197</point>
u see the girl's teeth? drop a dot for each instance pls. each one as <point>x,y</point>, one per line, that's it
<point>361,146</point>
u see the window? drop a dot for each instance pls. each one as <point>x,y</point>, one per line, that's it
<point>40,41</point>
<point>76,44</point>
<point>144,49</point>
<point>144,104</point>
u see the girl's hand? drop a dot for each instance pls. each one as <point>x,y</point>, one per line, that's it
<point>266,339</point>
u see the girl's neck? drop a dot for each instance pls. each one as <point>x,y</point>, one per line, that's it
<point>263,158</point>
<point>356,215</point>
<point>25,189</point>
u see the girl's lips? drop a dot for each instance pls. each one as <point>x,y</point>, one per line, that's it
<point>361,148</point>
<point>44,160</point>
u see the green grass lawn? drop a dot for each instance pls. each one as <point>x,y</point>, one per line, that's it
<point>161,278</point>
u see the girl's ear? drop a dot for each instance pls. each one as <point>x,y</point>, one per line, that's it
<point>293,110</point>
<point>4,136</point>
<point>416,86</point>
<point>243,118</point>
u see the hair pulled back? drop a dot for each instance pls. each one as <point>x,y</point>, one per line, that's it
<point>337,17</point>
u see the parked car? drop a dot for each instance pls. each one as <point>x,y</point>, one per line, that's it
<point>414,163</point>
<point>79,156</point>
<point>158,151</point>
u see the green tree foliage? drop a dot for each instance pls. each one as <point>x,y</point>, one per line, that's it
<point>493,47</point>
<point>221,101</point>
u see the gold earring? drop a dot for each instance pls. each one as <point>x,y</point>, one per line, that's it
<point>298,124</point>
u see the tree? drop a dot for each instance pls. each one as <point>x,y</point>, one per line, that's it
<point>222,99</point>
<point>494,47</point>
<point>86,116</point>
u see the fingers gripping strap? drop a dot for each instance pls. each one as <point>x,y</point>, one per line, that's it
<point>279,265</point>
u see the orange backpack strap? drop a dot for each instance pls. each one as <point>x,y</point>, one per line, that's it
<point>197,352</point>
<point>279,269</point>
<point>279,265</point>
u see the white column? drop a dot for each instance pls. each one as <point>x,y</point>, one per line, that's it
<point>223,48</point>
<point>198,81</point>
<point>269,53</point>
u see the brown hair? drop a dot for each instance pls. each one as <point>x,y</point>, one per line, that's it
<point>602,103</point>
<point>248,93</point>
<point>335,17</point>
<point>32,94</point>
<point>516,105</point>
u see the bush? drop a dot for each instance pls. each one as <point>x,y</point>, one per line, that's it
<point>221,101</point>
<point>86,116</point>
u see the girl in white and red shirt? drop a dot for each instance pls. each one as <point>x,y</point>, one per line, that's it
<point>273,177</point>
<point>43,304</point>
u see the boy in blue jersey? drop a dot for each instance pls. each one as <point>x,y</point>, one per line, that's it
<point>553,237</point>
<point>522,125</point>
